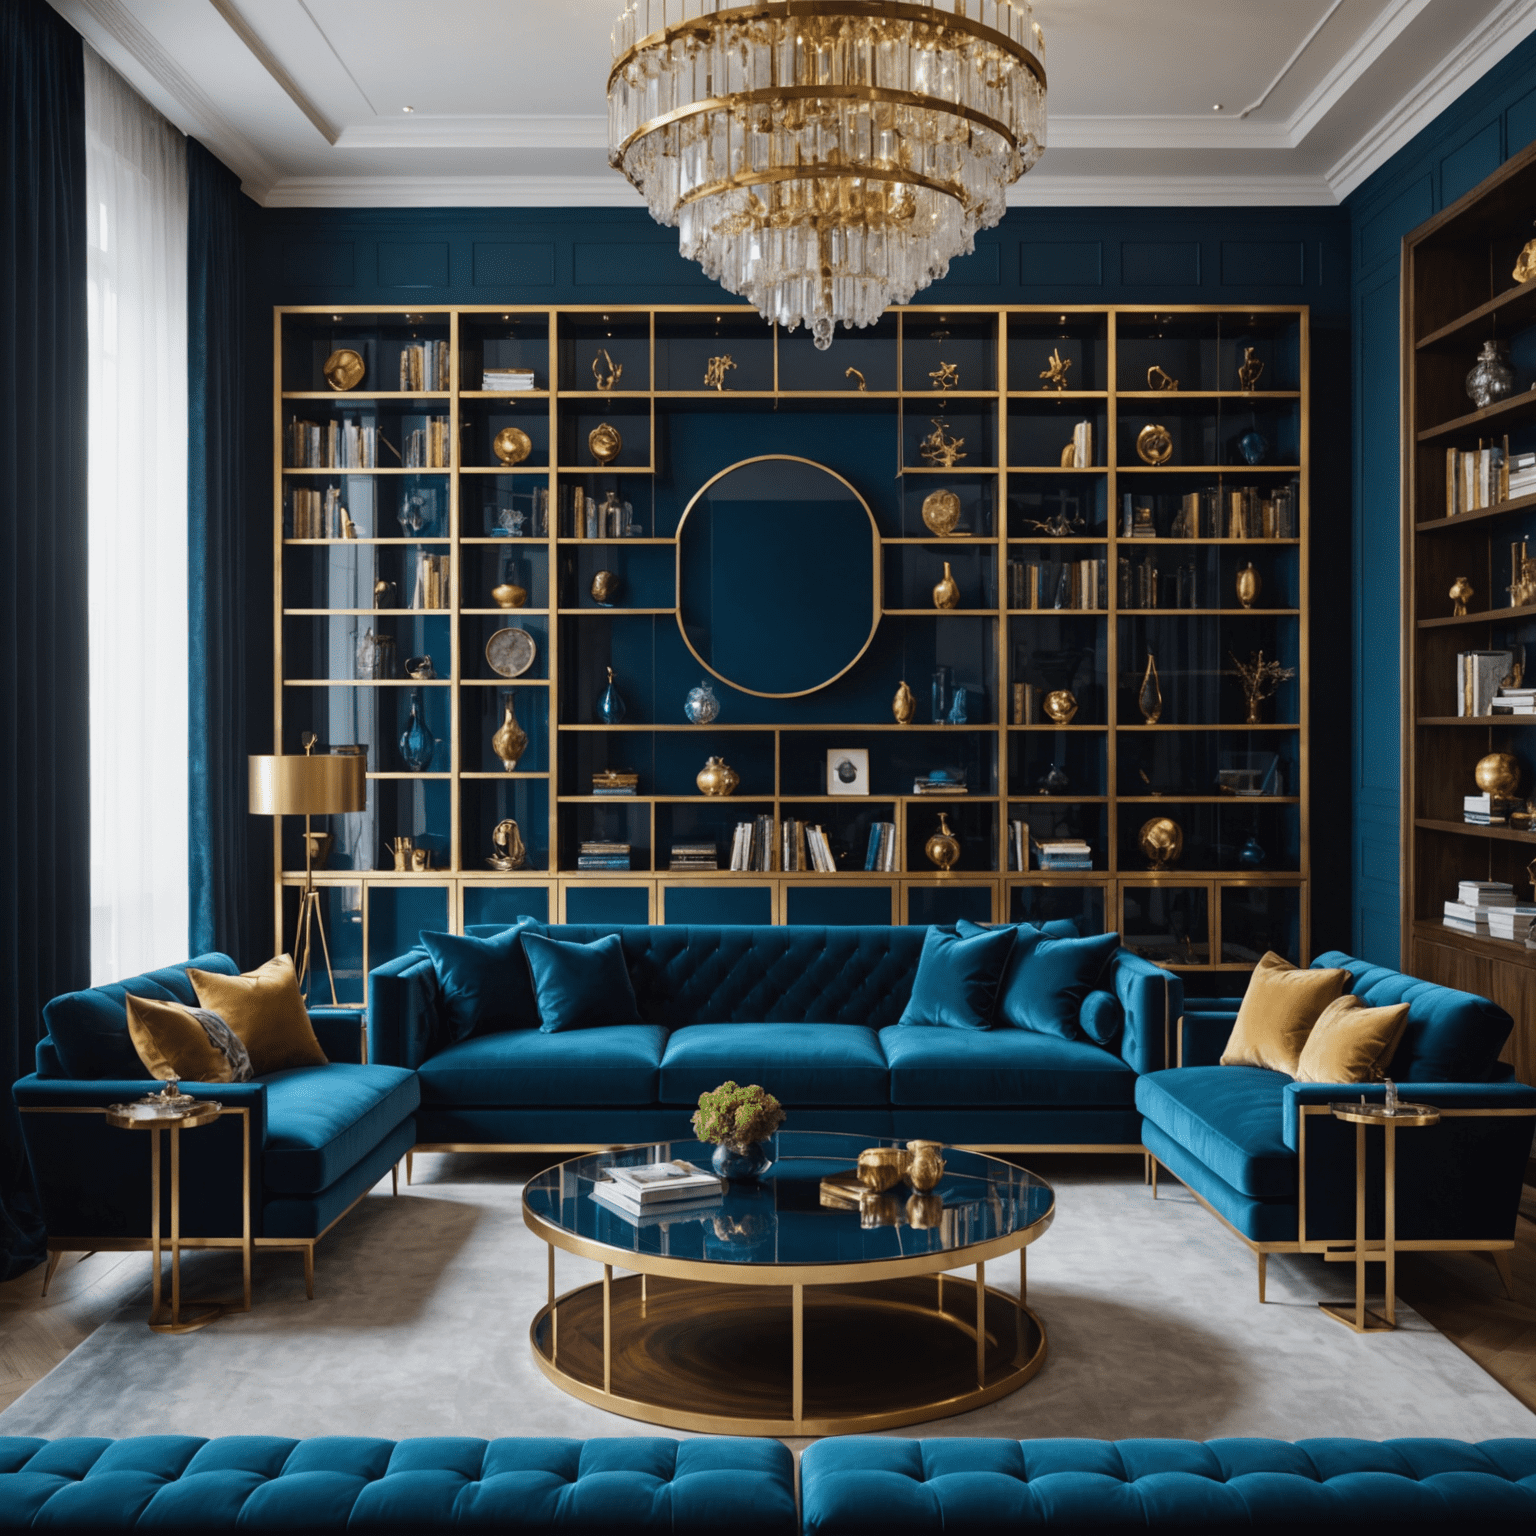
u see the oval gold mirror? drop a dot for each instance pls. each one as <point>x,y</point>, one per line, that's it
<point>778,576</point>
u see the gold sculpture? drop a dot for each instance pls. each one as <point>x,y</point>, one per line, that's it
<point>605,371</point>
<point>1055,371</point>
<point>927,1165</point>
<point>1060,705</point>
<point>510,852</point>
<point>1162,840</point>
<point>605,442</point>
<point>605,587</point>
<point>1069,456</point>
<point>400,851</point>
<point>941,512</point>
<point>1461,590</point>
<point>1154,444</point>
<point>511,445</point>
<point>883,1168</point>
<point>1525,263</point>
<point>1248,585</point>
<point>344,369</point>
<point>511,740</point>
<point>904,706</point>
<point>717,778</point>
<point>1498,774</point>
<point>1160,378</point>
<point>509,595</point>
<point>348,527</point>
<point>1522,570</point>
<point>1261,680</point>
<point>946,376</point>
<point>715,371</point>
<point>946,593</point>
<point>853,373</point>
<point>1250,370</point>
<point>1149,698</point>
<point>939,447</point>
<point>943,848</point>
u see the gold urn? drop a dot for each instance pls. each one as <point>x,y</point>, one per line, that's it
<point>509,595</point>
<point>1060,705</point>
<point>946,593</point>
<point>1162,840</point>
<point>1248,585</point>
<point>943,848</point>
<point>904,706</point>
<point>1498,774</point>
<point>717,778</point>
<point>511,740</point>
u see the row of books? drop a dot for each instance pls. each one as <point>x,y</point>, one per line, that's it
<point>424,365</point>
<point>1488,908</point>
<point>1479,477</point>
<point>318,514</point>
<point>1057,584</point>
<point>429,446</point>
<point>597,853</point>
<point>882,853</point>
<point>696,855</point>
<point>1481,677</point>
<point>432,582</point>
<point>792,845</point>
<point>504,381</point>
<point>1213,513</point>
<point>1144,585</point>
<point>332,445</point>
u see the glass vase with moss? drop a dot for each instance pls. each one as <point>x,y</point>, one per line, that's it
<point>739,1121</point>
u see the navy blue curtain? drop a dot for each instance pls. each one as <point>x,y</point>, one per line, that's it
<point>45,877</point>
<point>220,516</point>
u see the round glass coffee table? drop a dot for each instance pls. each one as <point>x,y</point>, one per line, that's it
<point>782,1307</point>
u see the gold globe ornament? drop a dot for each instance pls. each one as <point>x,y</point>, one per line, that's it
<point>941,512</point>
<point>943,848</point>
<point>605,442</point>
<point>512,445</point>
<point>1498,775</point>
<point>1060,705</point>
<point>1162,841</point>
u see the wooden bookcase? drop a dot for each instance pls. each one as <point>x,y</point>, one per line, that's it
<point>1213,912</point>
<point>1457,292</point>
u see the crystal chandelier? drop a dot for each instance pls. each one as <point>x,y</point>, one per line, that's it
<point>826,158</point>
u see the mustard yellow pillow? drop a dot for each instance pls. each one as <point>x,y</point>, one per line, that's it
<point>264,1007</point>
<point>1351,1043</point>
<point>190,1044</point>
<point>1279,1009</point>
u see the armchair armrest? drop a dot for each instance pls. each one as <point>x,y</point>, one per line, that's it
<point>339,1031</point>
<point>1203,1034</point>
<point>1491,1100</point>
<point>402,1010</point>
<point>1153,999</point>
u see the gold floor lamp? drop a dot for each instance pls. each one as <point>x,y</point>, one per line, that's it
<point>328,785</point>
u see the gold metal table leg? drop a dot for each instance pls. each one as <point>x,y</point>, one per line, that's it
<point>981,1325</point>
<point>1355,1314</point>
<point>551,1274</point>
<point>607,1327</point>
<point>1389,1222</point>
<point>1360,1226</point>
<point>797,1369</point>
<point>175,1225</point>
<point>1023,1276</point>
<point>154,1224</point>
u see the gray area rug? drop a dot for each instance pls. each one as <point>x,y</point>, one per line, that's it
<point>422,1303</point>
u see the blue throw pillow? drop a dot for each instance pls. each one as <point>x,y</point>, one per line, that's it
<point>580,986</point>
<point>1048,978</point>
<point>483,985</point>
<point>1102,1018</point>
<point>958,977</point>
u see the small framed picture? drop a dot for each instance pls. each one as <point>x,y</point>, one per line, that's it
<point>848,771</point>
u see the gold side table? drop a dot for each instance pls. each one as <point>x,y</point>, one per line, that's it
<point>1354,1314</point>
<point>177,1112</point>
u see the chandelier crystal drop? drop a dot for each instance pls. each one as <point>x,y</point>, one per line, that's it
<point>826,158</point>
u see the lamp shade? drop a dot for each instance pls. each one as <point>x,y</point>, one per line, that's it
<point>308,786</point>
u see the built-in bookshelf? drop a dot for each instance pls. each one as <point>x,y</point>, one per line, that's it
<point>1178,528</point>
<point>1464,522</point>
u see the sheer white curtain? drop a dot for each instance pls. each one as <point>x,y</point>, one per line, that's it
<point>136,199</point>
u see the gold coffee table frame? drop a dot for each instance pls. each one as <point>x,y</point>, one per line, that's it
<point>904,1294</point>
<point>1355,1314</point>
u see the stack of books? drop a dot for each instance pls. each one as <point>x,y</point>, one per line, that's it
<point>1251,515</point>
<point>1136,519</point>
<point>1522,476</point>
<point>1018,845</point>
<point>1063,853</point>
<point>881,853</point>
<point>506,380</point>
<point>752,847</point>
<point>941,781</point>
<point>1475,900</point>
<point>648,1189</point>
<point>616,781</point>
<point>1478,478</point>
<point>316,514</point>
<point>336,445</point>
<point>1514,701</point>
<point>1487,810</point>
<point>601,855</point>
<point>699,855</point>
<point>424,365</point>
<point>1512,923</point>
<point>1479,677</point>
<point>1069,584</point>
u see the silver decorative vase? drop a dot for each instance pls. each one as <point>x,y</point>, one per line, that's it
<point>1491,378</point>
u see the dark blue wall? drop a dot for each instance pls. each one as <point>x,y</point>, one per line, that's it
<point>1229,256</point>
<point>1470,139</point>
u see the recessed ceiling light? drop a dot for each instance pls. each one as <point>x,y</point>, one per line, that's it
<point>407,109</point>
<point>1215,107</point>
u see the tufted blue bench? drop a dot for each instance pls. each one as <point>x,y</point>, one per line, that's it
<point>874,1486</point>
<point>259,1482</point>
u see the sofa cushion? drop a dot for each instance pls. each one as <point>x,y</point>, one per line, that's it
<point>614,1065</point>
<point>322,1121</point>
<point>191,1044</point>
<point>266,1009</point>
<point>1231,1118</point>
<point>1015,1067</point>
<point>1279,1009</point>
<point>1048,978</point>
<point>580,986</point>
<point>797,1063</point>
<point>1102,1017</point>
<point>1350,1043</point>
<point>1450,1037</point>
<point>483,984</point>
<point>89,1029</point>
<point>958,978</point>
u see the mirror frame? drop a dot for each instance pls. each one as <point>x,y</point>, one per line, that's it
<point>877,599</point>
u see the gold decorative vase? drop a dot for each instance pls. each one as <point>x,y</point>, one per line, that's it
<point>1060,705</point>
<point>511,740</point>
<point>904,706</point>
<point>1248,585</point>
<point>509,595</point>
<point>946,593</point>
<point>943,848</point>
<point>883,1168</point>
<point>924,1211</point>
<point>509,850</point>
<point>941,512</point>
<point>1162,840</point>
<point>605,588</point>
<point>605,442</point>
<point>1149,697</point>
<point>927,1166</point>
<point>1498,774</point>
<point>717,778</point>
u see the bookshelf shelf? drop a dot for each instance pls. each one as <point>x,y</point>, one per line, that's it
<point>1466,829</point>
<point>1514,303</point>
<point>1508,508</point>
<point>1483,616</point>
<point>1497,416</point>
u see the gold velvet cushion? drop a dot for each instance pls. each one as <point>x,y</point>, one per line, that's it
<point>192,1044</point>
<point>264,1007</point>
<point>1279,1009</point>
<point>1351,1043</point>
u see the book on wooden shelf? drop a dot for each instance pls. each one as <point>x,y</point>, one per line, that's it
<point>1479,677</point>
<point>1460,912</point>
<point>1477,478</point>
<point>1510,922</point>
<point>881,853</point>
<point>506,380</point>
<point>1485,893</point>
<point>1018,845</point>
<point>1487,810</point>
<point>424,365</point>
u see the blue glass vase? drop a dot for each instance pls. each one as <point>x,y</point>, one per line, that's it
<point>1253,446</point>
<point>739,1162</point>
<point>610,707</point>
<point>416,744</point>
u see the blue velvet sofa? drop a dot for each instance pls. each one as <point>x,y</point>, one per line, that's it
<point>1265,1156</point>
<point>884,1486</point>
<point>317,1138</point>
<point>809,1012</point>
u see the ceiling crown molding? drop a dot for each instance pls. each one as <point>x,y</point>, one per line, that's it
<point>1187,191</point>
<point>608,190</point>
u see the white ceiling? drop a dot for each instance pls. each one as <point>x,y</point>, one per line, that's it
<point>304,99</point>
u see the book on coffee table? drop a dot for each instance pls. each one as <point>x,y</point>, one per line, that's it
<point>661,1215</point>
<point>648,1184</point>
